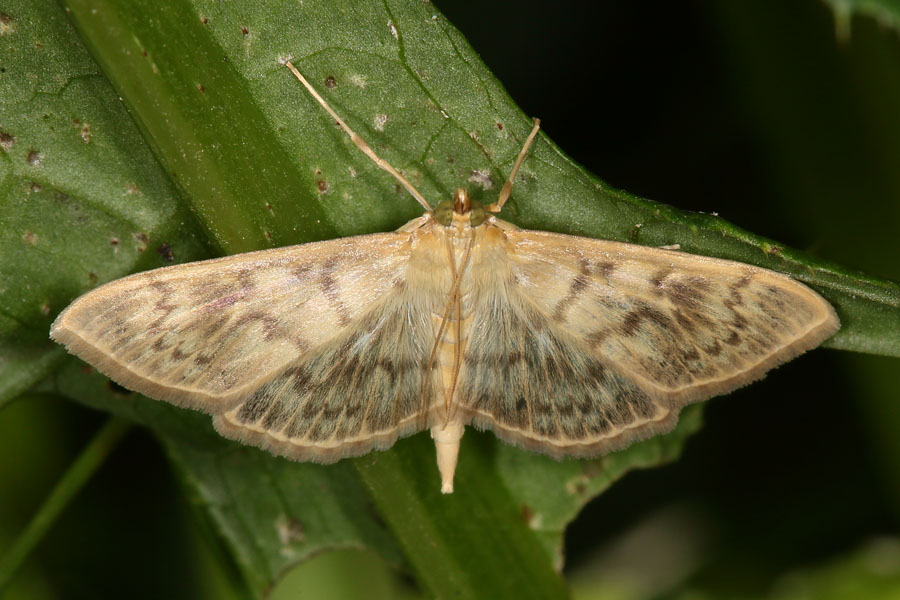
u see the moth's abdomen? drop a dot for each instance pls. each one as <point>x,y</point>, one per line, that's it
<point>450,347</point>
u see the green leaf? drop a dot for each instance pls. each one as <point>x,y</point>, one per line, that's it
<point>885,12</point>
<point>82,198</point>
<point>218,126</point>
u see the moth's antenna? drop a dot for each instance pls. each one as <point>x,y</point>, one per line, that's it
<point>507,187</point>
<point>361,143</point>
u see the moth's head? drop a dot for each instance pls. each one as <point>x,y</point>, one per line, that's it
<point>460,209</point>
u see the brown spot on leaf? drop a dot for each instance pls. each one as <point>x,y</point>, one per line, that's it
<point>322,185</point>
<point>34,158</point>
<point>141,240</point>
<point>6,24</point>
<point>165,251</point>
<point>330,82</point>
<point>6,141</point>
<point>527,513</point>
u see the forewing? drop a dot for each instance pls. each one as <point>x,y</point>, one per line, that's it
<point>209,334</point>
<point>582,345</point>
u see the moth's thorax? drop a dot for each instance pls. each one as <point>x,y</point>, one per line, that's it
<point>459,250</point>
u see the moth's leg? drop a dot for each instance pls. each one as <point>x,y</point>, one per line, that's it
<point>360,143</point>
<point>507,187</point>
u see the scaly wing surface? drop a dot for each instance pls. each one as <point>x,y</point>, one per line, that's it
<point>583,345</point>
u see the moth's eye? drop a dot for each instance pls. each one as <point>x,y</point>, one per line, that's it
<point>476,215</point>
<point>443,214</point>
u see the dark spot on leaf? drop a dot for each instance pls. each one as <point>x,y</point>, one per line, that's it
<point>165,251</point>
<point>142,240</point>
<point>322,185</point>
<point>527,513</point>
<point>500,126</point>
<point>330,82</point>
<point>204,20</point>
<point>34,158</point>
<point>34,188</point>
<point>6,141</point>
<point>245,31</point>
<point>201,88</point>
<point>114,241</point>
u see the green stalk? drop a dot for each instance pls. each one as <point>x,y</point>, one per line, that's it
<point>87,463</point>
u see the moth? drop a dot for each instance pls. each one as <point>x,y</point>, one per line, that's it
<point>563,345</point>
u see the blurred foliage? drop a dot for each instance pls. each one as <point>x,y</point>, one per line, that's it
<point>753,110</point>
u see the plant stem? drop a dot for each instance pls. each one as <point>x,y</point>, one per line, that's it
<point>87,463</point>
